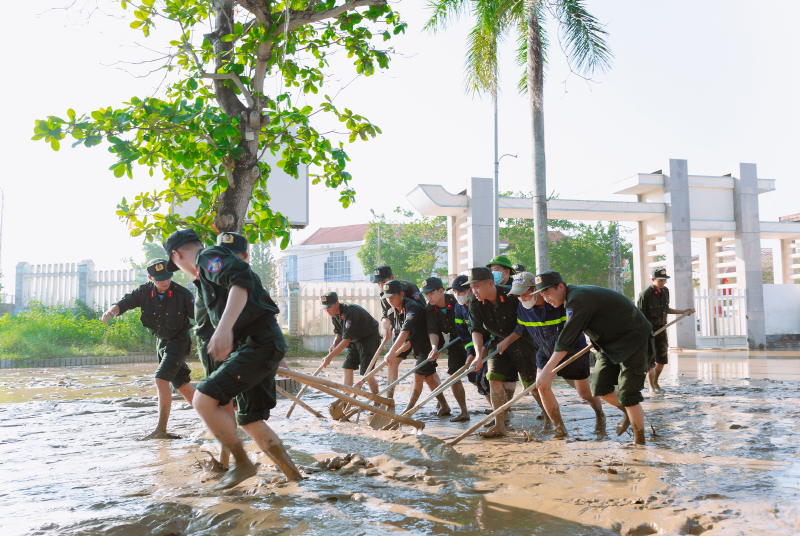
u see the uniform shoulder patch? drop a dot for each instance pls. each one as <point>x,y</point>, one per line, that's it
<point>410,315</point>
<point>214,265</point>
<point>569,315</point>
<point>417,296</point>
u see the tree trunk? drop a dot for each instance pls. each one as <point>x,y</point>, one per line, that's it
<point>536,99</point>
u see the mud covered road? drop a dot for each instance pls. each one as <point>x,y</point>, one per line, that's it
<point>723,457</point>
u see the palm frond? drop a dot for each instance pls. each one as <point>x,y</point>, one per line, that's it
<point>583,36</point>
<point>444,12</point>
<point>522,46</point>
<point>480,64</point>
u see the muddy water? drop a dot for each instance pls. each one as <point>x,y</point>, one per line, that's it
<point>722,458</point>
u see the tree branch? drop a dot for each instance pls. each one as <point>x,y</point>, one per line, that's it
<point>236,80</point>
<point>301,18</point>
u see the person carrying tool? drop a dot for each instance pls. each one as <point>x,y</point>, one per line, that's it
<point>408,320</point>
<point>247,340</point>
<point>462,294</point>
<point>440,315</point>
<point>166,309</point>
<point>654,303</point>
<point>493,313</point>
<point>619,332</point>
<point>355,331</point>
<point>544,323</point>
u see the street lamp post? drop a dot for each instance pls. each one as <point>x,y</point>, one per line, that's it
<point>379,236</point>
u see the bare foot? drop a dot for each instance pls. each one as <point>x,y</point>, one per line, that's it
<point>491,423</point>
<point>638,437</point>
<point>600,424</point>
<point>547,426</point>
<point>237,475</point>
<point>493,432</point>
<point>561,432</point>
<point>659,390</point>
<point>444,412</point>
<point>622,425</point>
<point>158,434</point>
<point>462,417</point>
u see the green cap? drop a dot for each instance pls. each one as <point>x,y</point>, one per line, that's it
<point>390,288</point>
<point>660,273</point>
<point>503,261</point>
<point>547,279</point>
<point>479,273</point>
<point>157,269</point>
<point>522,282</point>
<point>431,284</point>
<point>329,299</point>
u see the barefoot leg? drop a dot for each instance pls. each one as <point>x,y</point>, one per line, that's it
<point>269,442</point>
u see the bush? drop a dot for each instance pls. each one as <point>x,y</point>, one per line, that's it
<point>46,332</point>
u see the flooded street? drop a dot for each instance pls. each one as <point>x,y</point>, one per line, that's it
<point>723,457</point>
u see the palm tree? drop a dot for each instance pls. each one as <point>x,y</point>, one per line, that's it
<point>582,39</point>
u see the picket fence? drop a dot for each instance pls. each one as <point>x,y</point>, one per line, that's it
<point>62,285</point>
<point>302,313</point>
<point>722,317</point>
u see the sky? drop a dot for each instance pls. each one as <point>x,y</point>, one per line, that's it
<point>712,82</point>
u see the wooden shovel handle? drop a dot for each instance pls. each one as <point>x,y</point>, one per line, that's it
<point>303,390</point>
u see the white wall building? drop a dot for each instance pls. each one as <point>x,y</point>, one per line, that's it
<point>330,254</point>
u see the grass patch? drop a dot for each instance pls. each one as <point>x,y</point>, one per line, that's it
<point>45,333</point>
<point>296,348</point>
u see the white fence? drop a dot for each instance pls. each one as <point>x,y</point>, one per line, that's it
<point>62,285</point>
<point>722,318</point>
<point>311,319</point>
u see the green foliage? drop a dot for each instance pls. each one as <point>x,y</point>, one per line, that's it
<point>209,131</point>
<point>263,264</point>
<point>47,332</point>
<point>581,256</point>
<point>154,250</point>
<point>411,247</point>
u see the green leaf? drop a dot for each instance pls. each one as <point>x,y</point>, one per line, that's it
<point>71,114</point>
<point>55,145</point>
<point>228,38</point>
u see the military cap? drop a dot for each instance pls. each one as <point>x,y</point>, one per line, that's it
<point>547,279</point>
<point>503,261</point>
<point>157,269</point>
<point>431,284</point>
<point>233,241</point>
<point>460,283</point>
<point>381,274</point>
<point>390,288</point>
<point>522,282</point>
<point>660,273</point>
<point>479,273</point>
<point>176,240</point>
<point>329,299</point>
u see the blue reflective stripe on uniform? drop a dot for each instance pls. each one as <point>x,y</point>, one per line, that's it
<point>545,323</point>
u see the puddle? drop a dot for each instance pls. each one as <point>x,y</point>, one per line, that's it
<point>724,460</point>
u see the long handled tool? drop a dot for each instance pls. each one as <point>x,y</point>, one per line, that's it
<point>315,383</point>
<point>302,404</point>
<point>532,386</point>
<point>303,390</point>
<point>378,423</point>
<point>337,409</point>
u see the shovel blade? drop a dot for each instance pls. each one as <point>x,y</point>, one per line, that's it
<point>377,422</point>
<point>337,410</point>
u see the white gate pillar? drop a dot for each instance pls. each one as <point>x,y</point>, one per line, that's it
<point>480,228</point>
<point>639,268</point>
<point>678,235</point>
<point>748,252</point>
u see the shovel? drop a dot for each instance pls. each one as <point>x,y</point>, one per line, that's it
<point>302,404</point>
<point>337,409</point>
<point>532,386</point>
<point>378,421</point>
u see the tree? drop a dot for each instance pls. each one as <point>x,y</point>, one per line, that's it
<point>215,122</point>
<point>581,38</point>
<point>263,264</point>
<point>152,251</point>
<point>412,248</point>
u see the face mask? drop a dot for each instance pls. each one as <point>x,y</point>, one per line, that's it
<point>462,298</point>
<point>527,304</point>
<point>498,277</point>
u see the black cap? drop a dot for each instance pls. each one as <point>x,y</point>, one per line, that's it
<point>381,274</point>
<point>431,284</point>
<point>520,268</point>
<point>176,240</point>
<point>547,279</point>
<point>480,273</point>
<point>460,283</point>
<point>233,241</point>
<point>390,288</point>
<point>329,299</point>
<point>157,269</point>
<point>660,273</point>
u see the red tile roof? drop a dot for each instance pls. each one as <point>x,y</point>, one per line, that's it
<point>336,235</point>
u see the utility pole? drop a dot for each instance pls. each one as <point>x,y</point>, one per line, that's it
<point>615,276</point>
<point>379,236</point>
<point>496,204</point>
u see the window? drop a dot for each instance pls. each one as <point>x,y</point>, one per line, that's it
<point>337,267</point>
<point>290,266</point>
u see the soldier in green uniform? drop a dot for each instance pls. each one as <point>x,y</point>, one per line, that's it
<point>408,320</point>
<point>440,315</point>
<point>355,331</point>
<point>249,344</point>
<point>654,303</point>
<point>493,313</point>
<point>618,331</point>
<point>381,275</point>
<point>166,309</point>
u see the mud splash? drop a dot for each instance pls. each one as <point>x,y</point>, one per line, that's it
<point>722,458</point>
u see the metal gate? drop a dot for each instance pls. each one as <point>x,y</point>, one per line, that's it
<point>721,318</point>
